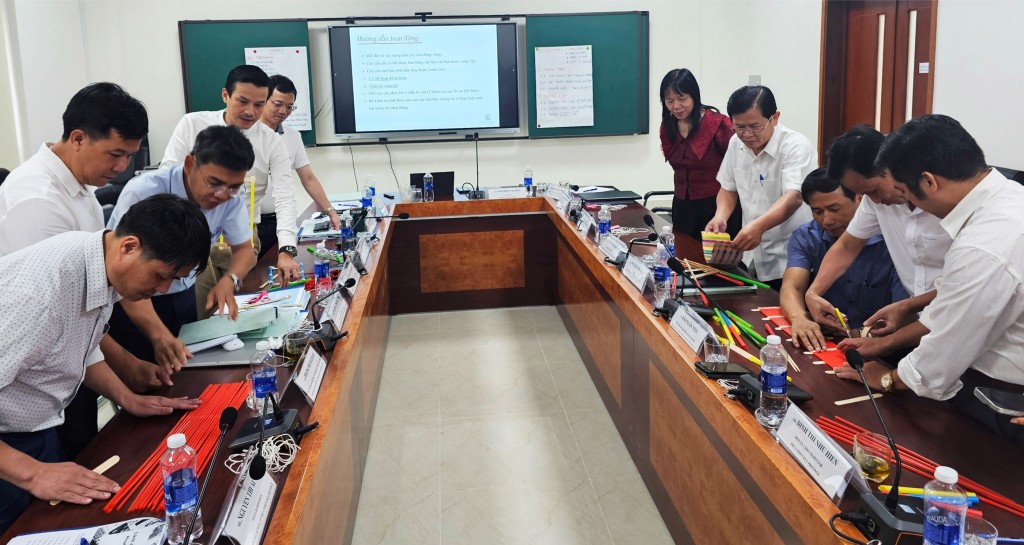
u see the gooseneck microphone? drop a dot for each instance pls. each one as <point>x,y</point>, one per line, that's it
<point>649,221</point>
<point>651,237</point>
<point>897,516</point>
<point>620,260</point>
<point>227,420</point>
<point>258,465</point>
<point>402,216</point>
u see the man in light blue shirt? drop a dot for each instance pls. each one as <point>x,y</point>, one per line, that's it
<point>867,285</point>
<point>211,176</point>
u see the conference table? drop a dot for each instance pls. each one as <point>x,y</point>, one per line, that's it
<point>715,474</point>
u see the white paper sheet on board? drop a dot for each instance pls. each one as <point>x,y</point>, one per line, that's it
<point>293,63</point>
<point>565,86</point>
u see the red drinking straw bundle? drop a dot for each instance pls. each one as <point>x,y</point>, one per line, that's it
<point>843,430</point>
<point>200,426</point>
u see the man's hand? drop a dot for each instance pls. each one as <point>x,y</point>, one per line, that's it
<point>873,372</point>
<point>335,219</point>
<point>142,376</point>
<point>890,318</point>
<point>289,268</point>
<point>170,352</point>
<point>869,347</point>
<point>156,405</point>
<point>822,311</point>
<point>223,295</point>
<point>69,482</point>
<point>717,225</point>
<point>1018,420</point>
<point>748,238</point>
<point>807,334</point>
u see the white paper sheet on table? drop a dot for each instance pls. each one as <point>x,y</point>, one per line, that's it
<point>140,531</point>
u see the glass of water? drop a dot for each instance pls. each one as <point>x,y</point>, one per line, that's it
<point>715,352</point>
<point>980,532</point>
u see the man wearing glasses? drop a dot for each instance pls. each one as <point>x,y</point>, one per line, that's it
<point>245,95</point>
<point>279,107</point>
<point>763,169</point>
<point>211,176</point>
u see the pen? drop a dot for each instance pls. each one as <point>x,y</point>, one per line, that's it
<point>761,176</point>
<point>83,542</point>
<point>842,322</point>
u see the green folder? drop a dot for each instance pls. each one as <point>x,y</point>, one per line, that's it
<point>219,326</point>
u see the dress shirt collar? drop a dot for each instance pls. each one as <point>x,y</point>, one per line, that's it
<point>62,172</point>
<point>987,188</point>
<point>98,291</point>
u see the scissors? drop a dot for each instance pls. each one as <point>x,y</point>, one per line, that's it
<point>261,298</point>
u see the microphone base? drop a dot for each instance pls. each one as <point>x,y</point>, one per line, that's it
<point>904,527</point>
<point>249,433</point>
<point>619,261</point>
<point>476,195</point>
<point>325,337</point>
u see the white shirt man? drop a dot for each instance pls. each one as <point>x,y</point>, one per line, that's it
<point>272,169</point>
<point>762,180</point>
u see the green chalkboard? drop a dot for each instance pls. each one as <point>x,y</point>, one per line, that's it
<point>619,44</point>
<point>210,49</point>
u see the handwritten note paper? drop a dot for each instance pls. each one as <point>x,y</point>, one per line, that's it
<point>292,62</point>
<point>565,86</point>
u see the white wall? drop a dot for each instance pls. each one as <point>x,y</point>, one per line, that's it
<point>135,44</point>
<point>979,73</point>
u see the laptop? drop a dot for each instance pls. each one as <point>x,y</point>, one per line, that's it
<point>444,183</point>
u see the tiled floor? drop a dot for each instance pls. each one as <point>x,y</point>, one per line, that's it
<point>489,430</point>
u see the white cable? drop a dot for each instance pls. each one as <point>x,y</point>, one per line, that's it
<point>279,451</point>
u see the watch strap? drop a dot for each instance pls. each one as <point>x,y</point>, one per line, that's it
<point>290,250</point>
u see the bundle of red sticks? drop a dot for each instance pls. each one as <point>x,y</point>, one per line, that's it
<point>200,428</point>
<point>843,430</point>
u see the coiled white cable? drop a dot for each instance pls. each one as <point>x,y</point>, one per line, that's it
<point>279,451</point>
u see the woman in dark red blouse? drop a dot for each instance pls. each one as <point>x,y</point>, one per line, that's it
<point>694,138</point>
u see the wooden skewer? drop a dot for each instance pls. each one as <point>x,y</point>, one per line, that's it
<point>99,469</point>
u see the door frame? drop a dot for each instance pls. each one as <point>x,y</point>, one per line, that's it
<point>831,85</point>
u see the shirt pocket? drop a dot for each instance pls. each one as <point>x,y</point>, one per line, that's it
<point>932,249</point>
<point>871,297</point>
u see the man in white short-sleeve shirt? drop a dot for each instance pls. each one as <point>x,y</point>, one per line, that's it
<point>59,294</point>
<point>245,94</point>
<point>916,241</point>
<point>974,325</point>
<point>763,169</point>
<point>279,107</point>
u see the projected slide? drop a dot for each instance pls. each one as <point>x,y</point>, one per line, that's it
<point>420,78</point>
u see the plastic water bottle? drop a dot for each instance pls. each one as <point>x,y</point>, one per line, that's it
<point>604,223</point>
<point>369,192</point>
<point>945,509</point>
<point>662,277</point>
<point>428,187</point>
<point>528,179</point>
<point>264,373</point>
<point>348,234</point>
<point>773,384</point>
<point>181,489</point>
<point>669,239</point>
<point>322,267</point>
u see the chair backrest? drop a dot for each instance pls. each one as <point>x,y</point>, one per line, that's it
<point>1015,175</point>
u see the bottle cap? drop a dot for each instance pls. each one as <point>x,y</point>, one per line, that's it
<point>947,475</point>
<point>321,245</point>
<point>604,207</point>
<point>661,246</point>
<point>774,339</point>
<point>262,346</point>
<point>176,441</point>
<point>346,215</point>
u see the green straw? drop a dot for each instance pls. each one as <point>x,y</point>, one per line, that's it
<point>747,280</point>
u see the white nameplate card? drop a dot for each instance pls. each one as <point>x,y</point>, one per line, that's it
<point>611,246</point>
<point>636,272</point>
<point>586,223</point>
<point>250,510</point>
<point>816,452</point>
<point>311,373</point>
<point>557,192</point>
<point>515,192</point>
<point>363,248</point>
<point>691,327</point>
<point>371,226</point>
<point>561,205</point>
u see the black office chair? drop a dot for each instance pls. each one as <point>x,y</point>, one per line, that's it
<point>663,211</point>
<point>1011,174</point>
<point>3,174</point>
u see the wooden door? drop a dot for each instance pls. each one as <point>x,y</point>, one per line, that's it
<point>877,58</point>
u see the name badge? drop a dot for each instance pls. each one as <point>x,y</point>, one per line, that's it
<point>636,272</point>
<point>250,510</point>
<point>517,192</point>
<point>611,246</point>
<point>311,373</point>
<point>828,464</point>
<point>691,327</point>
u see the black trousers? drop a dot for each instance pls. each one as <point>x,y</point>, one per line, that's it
<point>966,402</point>
<point>41,445</point>
<point>690,216</point>
<point>267,233</point>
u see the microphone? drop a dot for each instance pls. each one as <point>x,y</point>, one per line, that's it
<point>649,221</point>
<point>402,216</point>
<point>620,260</point>
<point>651,237</point>
<point>887,521</point>
<point>476,149</point>
<point>227,420</point>
<point>258,465</point>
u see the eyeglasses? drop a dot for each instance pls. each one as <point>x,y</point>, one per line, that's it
<point>220,187</point>
<point>752,129</point>
<point>277,105</point>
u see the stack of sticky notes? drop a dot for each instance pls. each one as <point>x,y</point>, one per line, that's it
<point>718,249</point>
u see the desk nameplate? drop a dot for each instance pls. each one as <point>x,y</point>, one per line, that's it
<point>636,272</point>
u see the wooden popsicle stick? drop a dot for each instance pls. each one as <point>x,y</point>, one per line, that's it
<point>857,399</point>
<point>113,460</point>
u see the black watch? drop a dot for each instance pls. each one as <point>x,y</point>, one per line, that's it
<point>290,250</point>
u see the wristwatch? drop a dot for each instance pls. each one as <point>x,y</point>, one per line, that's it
<point>237,281</point>
<point>290,250</point>
<point>887,382</point>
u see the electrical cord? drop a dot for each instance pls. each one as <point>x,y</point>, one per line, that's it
<point>353,156</point>
<point>852,518</point>
<point>387,149</point>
